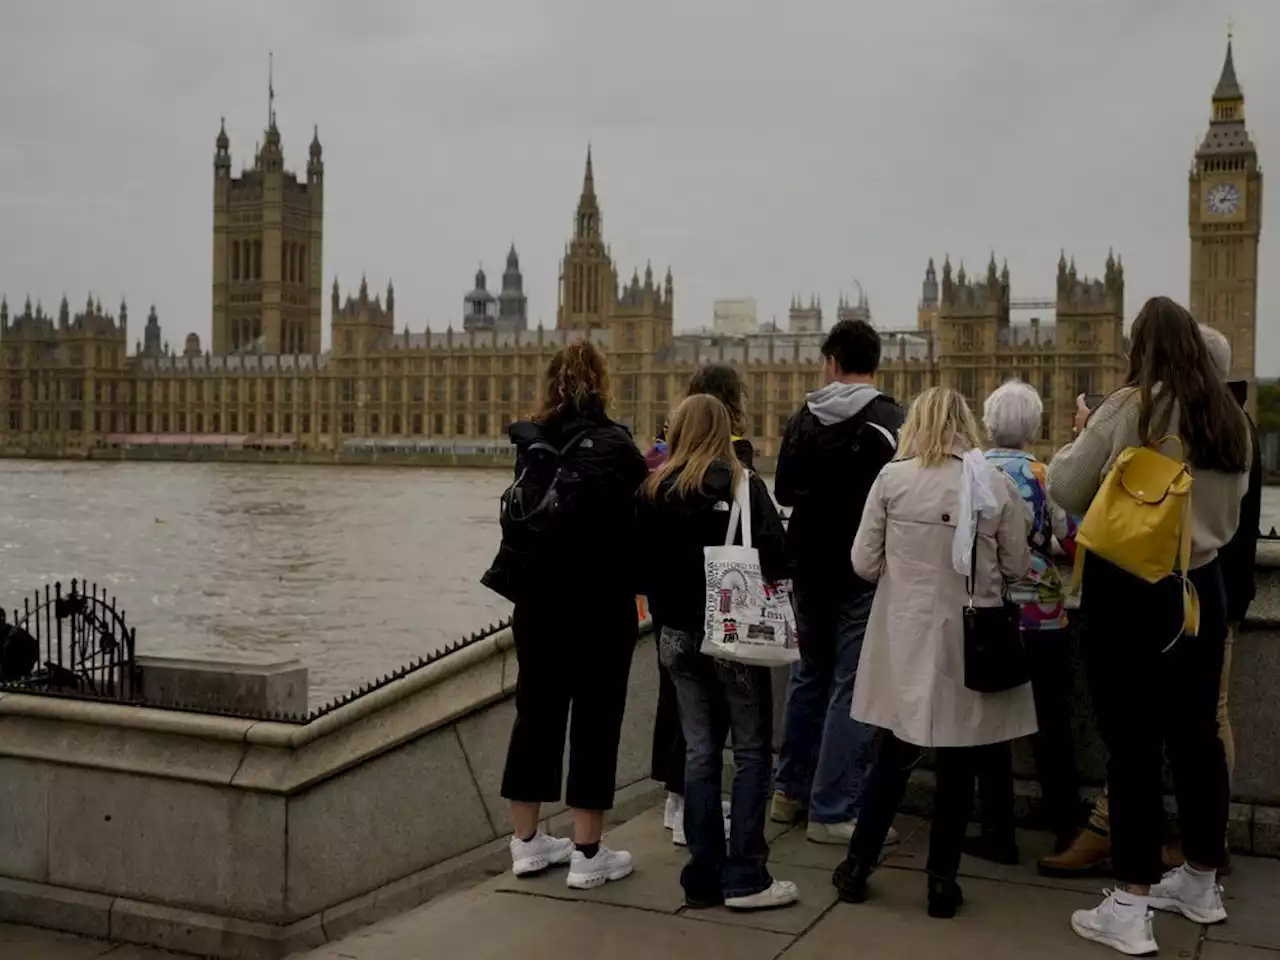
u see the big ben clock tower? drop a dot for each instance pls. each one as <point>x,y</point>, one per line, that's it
<point>1225,194</point>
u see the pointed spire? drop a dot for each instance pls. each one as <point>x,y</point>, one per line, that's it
<point>316,150</point>
<point>648,275</point>
<point>391,297</point>
<point>364,289</point>
<point>513,259</point>
<point>1004,273</point>
<point>589,177</point>
<point>1228,86</point>
<point>223,142</point>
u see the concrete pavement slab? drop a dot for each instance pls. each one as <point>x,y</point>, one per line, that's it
<point>655,884</point>
<point>999,921</point>
<point>1233,951</point>
<point>1252,899</point>
<point>816,897</point>
<point>32,943</point>
<point>1033,844</point>
<point>493,925</point>
<point>794,849</point>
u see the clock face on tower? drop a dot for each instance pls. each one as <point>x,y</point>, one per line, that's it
<point>1223,199</point>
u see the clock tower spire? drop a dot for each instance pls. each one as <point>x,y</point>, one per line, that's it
<point>1225,218</point>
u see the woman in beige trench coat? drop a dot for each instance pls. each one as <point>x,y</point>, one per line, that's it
<point>916,536</point>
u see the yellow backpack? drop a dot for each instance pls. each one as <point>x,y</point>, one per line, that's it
<point>1140,520</point>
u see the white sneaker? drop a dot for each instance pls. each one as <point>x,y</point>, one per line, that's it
<point>606,865</point>
<point>673,811</point>
<point>781,893</point>
<point>1121,922</point>
<point>1196,896</point>
<point>840,833</point>
<point>529,857</point>
<point>678,835</point>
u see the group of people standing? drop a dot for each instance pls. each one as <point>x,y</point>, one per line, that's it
<point>898,520</point>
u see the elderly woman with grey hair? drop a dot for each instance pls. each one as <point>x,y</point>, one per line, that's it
<point>1012,415</point>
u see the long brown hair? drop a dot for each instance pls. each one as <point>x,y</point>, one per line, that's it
<point>937,419</point>
<point>576,382</point>
<point>699,434</point>
<point>1167,350</point>
<point>722,382</point>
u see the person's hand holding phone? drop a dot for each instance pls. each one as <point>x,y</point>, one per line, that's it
<point>1083,410</point>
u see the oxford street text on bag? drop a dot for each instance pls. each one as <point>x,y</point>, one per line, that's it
<point>746,618</point>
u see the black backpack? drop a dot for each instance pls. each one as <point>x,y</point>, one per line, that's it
<point>532,508</point>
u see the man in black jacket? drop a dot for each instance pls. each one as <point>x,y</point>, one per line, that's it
<point>832,451</point>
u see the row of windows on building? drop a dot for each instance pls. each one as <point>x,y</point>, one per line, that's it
<point>782,387</point>
<point>246,261</point>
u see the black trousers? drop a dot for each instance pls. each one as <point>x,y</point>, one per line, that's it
<point>1049,664</point>
<point>666,763</point>
<point>955,769</point>
<point>579,658</point>
<point>1147,697</point>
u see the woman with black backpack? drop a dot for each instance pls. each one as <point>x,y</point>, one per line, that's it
<point>567,562</point>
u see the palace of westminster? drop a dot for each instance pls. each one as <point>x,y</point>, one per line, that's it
<point>69,385</point>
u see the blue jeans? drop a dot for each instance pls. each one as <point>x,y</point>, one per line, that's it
<point>825,753</point>
<point>716,697</point>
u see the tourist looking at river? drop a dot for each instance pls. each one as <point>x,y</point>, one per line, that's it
<point>832,450</point>
<point>667,760</point>
<point>1153,683</point>
<point>1091,848</point>
<point>686,506</point>
<point>574,621</point>
<point>1013,415</point>
<point>943,529</point>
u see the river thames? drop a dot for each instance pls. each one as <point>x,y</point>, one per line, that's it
<point>352,570</point>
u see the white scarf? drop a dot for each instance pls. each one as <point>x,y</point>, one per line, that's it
<point>977,499</point>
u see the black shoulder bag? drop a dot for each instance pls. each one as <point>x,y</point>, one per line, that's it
<point>994,657</point>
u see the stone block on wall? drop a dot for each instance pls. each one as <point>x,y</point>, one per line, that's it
<point>24,819</point>
<point>208,848</point>
<point>383,820</point>
<point>257,687</point>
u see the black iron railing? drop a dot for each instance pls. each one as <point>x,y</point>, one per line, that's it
<point>72,643</point>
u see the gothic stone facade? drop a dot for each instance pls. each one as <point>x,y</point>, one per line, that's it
<point>68,385</point>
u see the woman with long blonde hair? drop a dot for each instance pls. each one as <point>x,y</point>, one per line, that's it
<point>566,562</point>
<point>941,526</point>
<point>685,506</point>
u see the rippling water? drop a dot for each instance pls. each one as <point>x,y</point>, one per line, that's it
<point>353,570</point>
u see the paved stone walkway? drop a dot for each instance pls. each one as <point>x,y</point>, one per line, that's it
<point>1009,912</point>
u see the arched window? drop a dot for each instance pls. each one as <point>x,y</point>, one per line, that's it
<point>257,259</point>
<point>302,263</point>
<point>257,328</point>
<point>291,257</point>
<point>235,260</point>
<point>302,339</point>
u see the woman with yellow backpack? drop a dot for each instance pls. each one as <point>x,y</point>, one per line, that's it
<point>1158,470</point>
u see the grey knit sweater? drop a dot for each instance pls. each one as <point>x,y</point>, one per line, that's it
<point>1078,469</point>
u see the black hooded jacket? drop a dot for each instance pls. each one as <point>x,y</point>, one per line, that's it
<point>826,467</point>
<point>675,529</point>
<point>590,556</point>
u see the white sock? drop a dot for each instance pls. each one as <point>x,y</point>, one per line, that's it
<point>1129,906</point>
<point>1199,878</point>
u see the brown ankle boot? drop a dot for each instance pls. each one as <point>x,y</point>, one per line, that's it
<point>1090,852</point>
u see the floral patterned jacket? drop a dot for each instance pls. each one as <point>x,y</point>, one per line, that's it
<point>1041,593</point>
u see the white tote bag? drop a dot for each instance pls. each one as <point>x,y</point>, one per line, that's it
<point>747,620</point>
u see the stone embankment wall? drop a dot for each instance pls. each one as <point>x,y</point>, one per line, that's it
<point>249,839</point>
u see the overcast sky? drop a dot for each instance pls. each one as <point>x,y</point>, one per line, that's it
<point>758,148</point>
